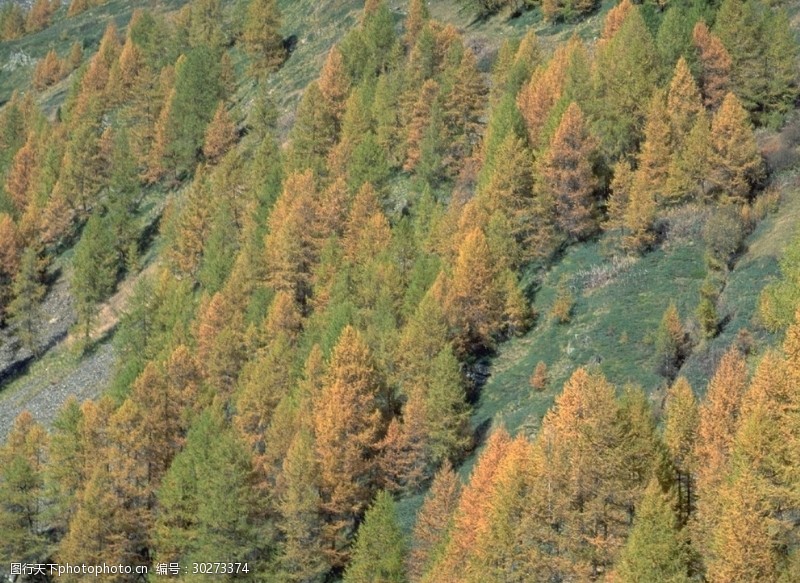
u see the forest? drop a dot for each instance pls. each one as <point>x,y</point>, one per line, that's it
<point>402,291</point>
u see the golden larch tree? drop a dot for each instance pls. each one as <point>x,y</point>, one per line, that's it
<point>348,425</point>
<point>715,65</point>
<point>220,134</point>
<point>567,176</point>
<point>736,164</point>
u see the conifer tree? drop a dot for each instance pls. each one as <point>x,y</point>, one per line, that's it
<point>626,70</point>
<point>735,161</point>
<point>22,461</point>
<point>301,556</point>
<point>334,83</point>
<point>313,133</point>
<point>741,545</point>
<point>9,255</point>
<point>538,97</point>
<point>348,426</point>
<point>715,65</point>
<point>95,271</point>
<point>762,57</point>
<point>419,122</point>
<point>680,437</point>
<point>499,547</point>
<point>48,71</point>
<point>684,104</point>
<point>379,550</point>
<point>567,176</point>
<point>262,37</point>
<point>433,521</point>
<point>197,91</point>
<point>25,309</point>
<point>719,417</point>
<point>656,549</point>
<point>471,510</point>
<point>206,500</point>
<point>690,168</point>
<point>290,250</point>
<point>415,20</point>
<point>670,342</point>
<point>20,173</point>
<point>614,19</point>
<point>220,135</point>
<point>65,475</point>
<point>474,303</point>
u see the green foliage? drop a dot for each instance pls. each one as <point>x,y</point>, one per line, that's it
<point>96,267</point>
<point>25,308</point>
<point>764,73</point>
<point>656,549</point>
<point>627,70</point>
<point>197,91</point>
<point>207,500</point>
<point>779,299</point>
<point>380,546</point>
<point>723,235</point>
<point>671,342</point>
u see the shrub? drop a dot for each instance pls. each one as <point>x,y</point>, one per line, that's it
<point>539,378</point>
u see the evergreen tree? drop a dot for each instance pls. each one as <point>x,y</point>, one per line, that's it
<point>197,91</point>
<point>690,168</point>
<point>206,500</point>
<point>626,70</point>
<point>22,461</point>
<point>763,75</point>
<point>380,547</point>
<point>313,133</point>
<point>95,271</point>
<point>680,437</point>
<point>433,521</point>
<point>656,549</point>
<point>301,556</point>
<point>671,344</point>
<point>262,37</point>
<point>25,310</point>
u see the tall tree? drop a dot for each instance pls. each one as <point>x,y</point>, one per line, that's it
<point>736,163</point>
<point>567,176</point>
<point>626,71</point>
<point>433,521</point>
<point>25,308</point>
<point>220,134</point>
<point>715,65</point>
<point>379,550</point>
<point>22,462</point>
<point>656,549</point>
<point>473,303</point>
<point>348,425</point>
<point>301,557</point>
<point>262,36</point>
<point>680,437</point>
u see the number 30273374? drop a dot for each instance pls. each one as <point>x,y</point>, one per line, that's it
<point>220,568</point>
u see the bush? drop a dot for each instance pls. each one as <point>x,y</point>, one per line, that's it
<point>723,235</point>
<point>539,378</point>
<point>561,311</point>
